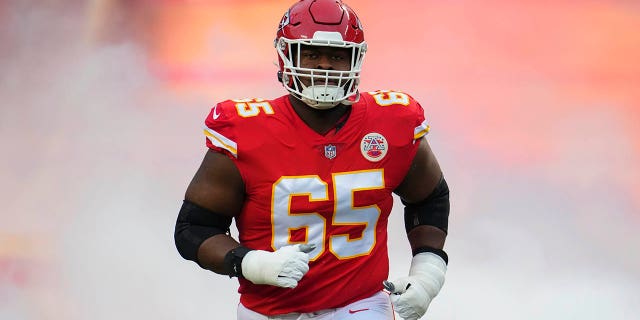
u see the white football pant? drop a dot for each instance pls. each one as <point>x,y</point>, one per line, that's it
<point>376,307</point>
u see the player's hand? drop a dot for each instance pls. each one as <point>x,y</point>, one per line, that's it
<point>412,295</point>
<point>282,268</point>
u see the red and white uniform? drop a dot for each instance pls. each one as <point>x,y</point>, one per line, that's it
<point>333,190</point>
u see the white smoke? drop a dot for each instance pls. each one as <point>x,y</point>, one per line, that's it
<point>97,155</point>
<point>96,158</point>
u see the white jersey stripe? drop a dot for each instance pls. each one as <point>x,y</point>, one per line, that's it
<point>221,141</point>
<point>421,130</point>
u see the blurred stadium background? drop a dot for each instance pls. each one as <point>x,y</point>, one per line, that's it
<point>535,115</point>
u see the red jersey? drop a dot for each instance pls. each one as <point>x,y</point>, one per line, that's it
<point>333,190</point>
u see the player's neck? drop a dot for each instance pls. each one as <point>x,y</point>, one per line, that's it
<point>320,121</point>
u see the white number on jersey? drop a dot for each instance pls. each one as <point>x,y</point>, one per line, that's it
<point>315,225</point>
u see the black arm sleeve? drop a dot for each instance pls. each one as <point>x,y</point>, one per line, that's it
<point>196,224</point>
<point>432,211</point>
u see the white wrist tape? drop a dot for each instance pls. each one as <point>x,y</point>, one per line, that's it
<point>282,268</point>
<point>429,270</point>
<point>412,295</point>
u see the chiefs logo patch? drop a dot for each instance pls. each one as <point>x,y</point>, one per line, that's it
<point>374,146</point>
<point>285,20</point>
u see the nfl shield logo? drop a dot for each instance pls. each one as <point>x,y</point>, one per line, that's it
<point>330,151</point>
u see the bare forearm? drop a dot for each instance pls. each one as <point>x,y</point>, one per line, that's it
<point>212,251</point>
<point>426,236</point>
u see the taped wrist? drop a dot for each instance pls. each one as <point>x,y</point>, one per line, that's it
<point>233,261</point>
<point>432,211</point>
<point>430,270</point>
<point>196,224</point>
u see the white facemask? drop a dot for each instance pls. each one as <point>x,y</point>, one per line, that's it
<point>328,88</point>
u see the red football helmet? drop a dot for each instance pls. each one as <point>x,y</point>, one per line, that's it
<point>328,23</point>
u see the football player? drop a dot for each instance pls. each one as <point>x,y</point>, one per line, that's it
<point>309,179</point>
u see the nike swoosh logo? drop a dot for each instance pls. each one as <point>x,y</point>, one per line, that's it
<point>215,112</point>
<point>358,310</point>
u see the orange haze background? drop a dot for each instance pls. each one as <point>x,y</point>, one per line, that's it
<point>535,114</point>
